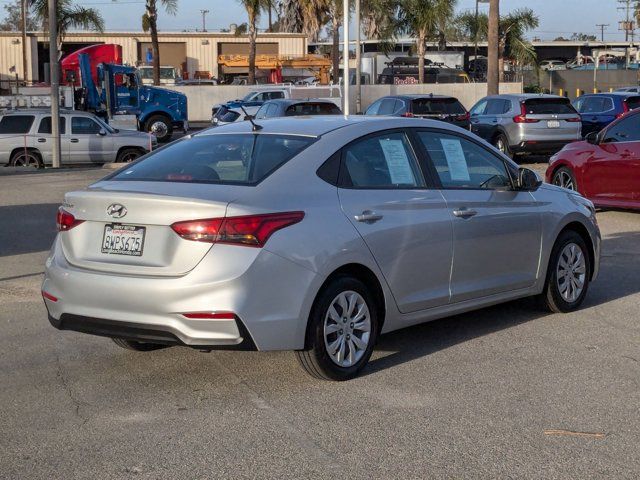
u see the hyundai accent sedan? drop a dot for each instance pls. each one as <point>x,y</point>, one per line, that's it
<point>312,234</point>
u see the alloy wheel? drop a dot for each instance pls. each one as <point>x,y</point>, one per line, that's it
<point>571,272</point>
<point>27,160</point>
<point>347,328</point>
<point>159,129</point>
<point>563,178</point>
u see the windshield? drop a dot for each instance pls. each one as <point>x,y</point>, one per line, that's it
<point>240,159</point>
<point>166,73</point>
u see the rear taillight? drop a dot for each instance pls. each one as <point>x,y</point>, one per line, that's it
<point>625,109</point>
<point>250,230</point>
<point>573,119</point>
<point>522,118</point>
<point>407,114</point>
<point>463,118</point>
<point>65,221</point>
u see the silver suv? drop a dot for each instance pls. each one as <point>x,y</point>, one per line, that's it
<point>25,139</point>
<point>527,123</point>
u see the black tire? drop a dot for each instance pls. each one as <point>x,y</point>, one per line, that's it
<point>29,158</point>
<point>137,346</point>
<point>502,143</point>
<point>564,177</point>
<point>316,360</point>
<point>127,155</point>
<point>167,127</point>
<point>552,298</point>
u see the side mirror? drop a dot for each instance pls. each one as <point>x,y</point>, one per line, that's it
<point>528,180</point>
<point>102,132</point>
<point>592,138</point>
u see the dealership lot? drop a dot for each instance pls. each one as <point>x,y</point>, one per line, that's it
<point>503,392</point>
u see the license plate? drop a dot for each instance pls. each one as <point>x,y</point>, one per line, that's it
<point>123,239</point>
<point>553,124</point>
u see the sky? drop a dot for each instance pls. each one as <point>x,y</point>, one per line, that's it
<point>557,17</point>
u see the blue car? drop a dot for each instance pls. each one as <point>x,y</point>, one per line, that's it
<point>598,110</point>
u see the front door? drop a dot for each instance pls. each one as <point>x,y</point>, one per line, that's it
<point>405,225</point>
<point>497,230</point>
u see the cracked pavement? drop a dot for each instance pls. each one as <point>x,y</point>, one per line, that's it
<point>506,392</point>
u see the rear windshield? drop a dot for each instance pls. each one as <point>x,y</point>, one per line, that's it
<point>312,109</point>
<point>225,115</point>
<point>242,159</point>
<point>548,106</point>
<point>16,123</point>
<point>633,102</point>
<point>426,106</point>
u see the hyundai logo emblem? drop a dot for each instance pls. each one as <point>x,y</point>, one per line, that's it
<point>116,210</point>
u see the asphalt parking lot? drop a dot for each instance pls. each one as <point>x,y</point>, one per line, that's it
<point>505,392</point>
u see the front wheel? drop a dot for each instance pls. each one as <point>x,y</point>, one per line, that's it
<point>343,327</point>
<point>568,274</point>
<point>160,126</point>
<point>127,155</point>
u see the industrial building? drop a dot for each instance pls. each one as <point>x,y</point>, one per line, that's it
<point>192,53</point>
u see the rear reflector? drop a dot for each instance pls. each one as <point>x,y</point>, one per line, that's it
<point>210,315</point>
<point>48,296</point>
<point>250,230</point>
<point>65,221</point>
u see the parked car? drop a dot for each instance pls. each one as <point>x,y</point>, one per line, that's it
<point>605,168</point>
<point>553,65</point>
<point>435,107</point>
<point>628,89</point>
<point>25,139</point>
<point>232,112</point>
<point>313,234</point>
<point>293,108</point>
<point>598,110</point>
<point>526,123</point>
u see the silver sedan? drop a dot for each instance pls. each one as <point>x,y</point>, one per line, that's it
<point>315,235</point>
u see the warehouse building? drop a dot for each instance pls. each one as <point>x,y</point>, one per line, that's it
<point>192,53</point>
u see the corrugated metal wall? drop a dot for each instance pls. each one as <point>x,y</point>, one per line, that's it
<point>201,48</point>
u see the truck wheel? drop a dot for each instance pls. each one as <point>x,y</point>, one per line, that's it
<point>160,126</point>
<point>127,155</point>
<point>29,158</point>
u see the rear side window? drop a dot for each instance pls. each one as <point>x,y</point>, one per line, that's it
<point>45,125</point>
<point>242,159</point>
<point>312,109</point>
<point>387,106</point>
<point>16,124</point>
<point>498,107</point>
<point>633,102</point>
<point>548,106</point>
<point>438,106</point>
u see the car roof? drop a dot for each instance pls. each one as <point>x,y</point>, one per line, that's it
<point>522,96</point>
<point>45,111</point>
<point>419,96</point>
<point>611,94</point>
<point>294,101</point>
<point>316,125</point>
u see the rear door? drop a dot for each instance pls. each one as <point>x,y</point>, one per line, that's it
<point>45,142</point>
<point>89,142</point>
<point>405,225</point>
<point>497,230</point>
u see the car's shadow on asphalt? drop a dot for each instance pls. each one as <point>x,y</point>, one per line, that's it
<point>27,228</point>
<point>618,278</point>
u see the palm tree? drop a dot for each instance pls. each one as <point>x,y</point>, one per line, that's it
<point>422,19</point>
<point>379,19</point>
<point>493,70</point>
<point>150,24</point>
<point>334,9</point>
<point>253,8</point>
<point>69,16</point>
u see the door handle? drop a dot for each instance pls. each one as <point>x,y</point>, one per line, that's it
<point>74,140</point>
<point>368,217</point>
<point>464,213</point>
<point>42,140</point>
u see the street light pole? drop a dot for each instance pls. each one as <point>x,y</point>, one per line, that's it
<point>204,19</point>
<point>358,54</point>
<point>345,56</point>
<point>55,82</point>
<point>23,8</point>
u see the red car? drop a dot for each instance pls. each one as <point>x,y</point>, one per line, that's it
<point>605,167</point>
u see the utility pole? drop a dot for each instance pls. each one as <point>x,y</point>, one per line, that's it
<point>493,68</point>
<point>358,54</point>
<point>628,24</point>
<point>23,8</point>
<point>54,72</point>
<point>345,55</point>
<point>602,27</point>
<point>204,19</point>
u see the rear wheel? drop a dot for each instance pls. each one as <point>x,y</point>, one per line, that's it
<point>137,346</point>
<point>127,155</point>
<point>28,158</point>
<point>502,144</point>
<point>160,126</point>
<point>343,327</point>
<point>564,177</point>
<point>568,274</point>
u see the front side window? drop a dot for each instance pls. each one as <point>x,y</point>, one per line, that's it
<point>262,112</point>
<point>387,107</point>
<point>461,163</point>
<point>479,108</point>
<point>84,126</point>
<point>373,108</point>
<point>626,130</point>
<point>16,124</point>
<point>381,161</point>
<point>240,159</point>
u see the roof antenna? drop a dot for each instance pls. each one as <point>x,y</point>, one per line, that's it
<point>254,126</point>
